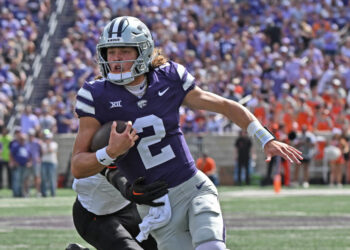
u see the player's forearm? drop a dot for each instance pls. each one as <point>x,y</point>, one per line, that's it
<point>117,179</point>
<point>237,113</point>
<point>85,164</point>
<point>199,99</point>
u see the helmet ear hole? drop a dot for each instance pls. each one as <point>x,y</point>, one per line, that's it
<point>104,53</point>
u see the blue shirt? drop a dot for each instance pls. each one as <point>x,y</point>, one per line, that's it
<point>20,153</point>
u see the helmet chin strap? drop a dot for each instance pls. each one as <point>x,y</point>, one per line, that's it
<point>120,79</point>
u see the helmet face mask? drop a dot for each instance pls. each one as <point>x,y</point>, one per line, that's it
<point>125,32</point>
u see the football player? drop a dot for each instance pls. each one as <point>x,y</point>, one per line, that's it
<point>141,86</point>
<point>104,216</point>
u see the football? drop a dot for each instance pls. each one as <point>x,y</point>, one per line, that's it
<point>101,137</point>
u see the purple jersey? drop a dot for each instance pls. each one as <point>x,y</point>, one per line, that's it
<point>161,152</point>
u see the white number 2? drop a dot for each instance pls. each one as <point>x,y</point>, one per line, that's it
<point>166,153</point>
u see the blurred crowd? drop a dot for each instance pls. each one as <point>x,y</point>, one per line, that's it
<point>287,61</point>
<point>19,27</point>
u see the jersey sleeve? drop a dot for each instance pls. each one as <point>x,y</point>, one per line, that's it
<point>187,80</point>
<point>85,105</point>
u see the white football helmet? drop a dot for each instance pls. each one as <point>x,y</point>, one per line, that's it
<point>125,31</point>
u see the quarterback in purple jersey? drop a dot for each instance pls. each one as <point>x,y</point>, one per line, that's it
<point>140,86</point>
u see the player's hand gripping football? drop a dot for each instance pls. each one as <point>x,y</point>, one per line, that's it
<point>142,193</point>
<point>284,150</point>
<point>120,143</point>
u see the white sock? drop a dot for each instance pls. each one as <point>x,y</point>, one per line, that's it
<point>212,245</point>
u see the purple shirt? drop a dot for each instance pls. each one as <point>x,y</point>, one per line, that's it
<point>161,152</point>
<point>20,153</point>
<point>35,151</point>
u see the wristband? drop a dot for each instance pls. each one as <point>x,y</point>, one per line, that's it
<point>260,134</point>
<point>103,157</point>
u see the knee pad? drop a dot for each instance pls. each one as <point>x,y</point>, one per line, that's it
<point>206,222</point>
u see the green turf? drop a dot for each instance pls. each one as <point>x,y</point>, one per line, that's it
<point>294,205</point>
<point>291,238</point>
<point>321,239</point>
<point>39,239</point>
<point>36,206</point>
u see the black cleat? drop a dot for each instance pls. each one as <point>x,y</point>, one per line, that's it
<point>76,246</point>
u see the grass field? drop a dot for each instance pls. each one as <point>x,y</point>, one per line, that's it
<point>255,218</point>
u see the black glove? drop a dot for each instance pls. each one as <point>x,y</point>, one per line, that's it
<point>138,191</point>
<point>145,193</point>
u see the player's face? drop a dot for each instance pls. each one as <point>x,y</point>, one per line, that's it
<point>121,54</point>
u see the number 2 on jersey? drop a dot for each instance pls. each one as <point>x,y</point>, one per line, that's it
<point>166,153</point>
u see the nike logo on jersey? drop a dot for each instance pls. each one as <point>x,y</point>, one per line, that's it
<point>160,93</point>
<point>200,185</point>
<point>117,104</point>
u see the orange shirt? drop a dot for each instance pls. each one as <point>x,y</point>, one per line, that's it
<point>323,126</point>
<point>320,146</point>
<point>303,118</point>
<point>288,121</point>
<point>208,166</point>
<point>336,109</point>
<point>260,113</point>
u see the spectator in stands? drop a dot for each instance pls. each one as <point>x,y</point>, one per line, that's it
<point>29,120</point>
<point>19,161</point>
<point>189,124</point>
<point>5,139</point>
<point>243,147</point>
<point>214,123</point>
<point>47,120</point>
<point>63,118</point>
<point>6,106</point>
<point>208,166</point>
<point>323,120</point>
<point>306,143</point>
<point>34,170</point>
<point>279,76</point>
<point>336,165</point>
<point>49,164</point>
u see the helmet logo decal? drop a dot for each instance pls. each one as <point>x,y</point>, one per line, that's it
<point>120,29</point>
<point>110,31</point>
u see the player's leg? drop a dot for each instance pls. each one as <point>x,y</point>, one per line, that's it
<point>130,219</point>
<point>44,178</point>
<point>102,232</point>
<point>175,235</point>
<point>37,178</point>
<point>247,174</point>
<point>239,176</point>
<point>190,225</point>
<point>205,219</point>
